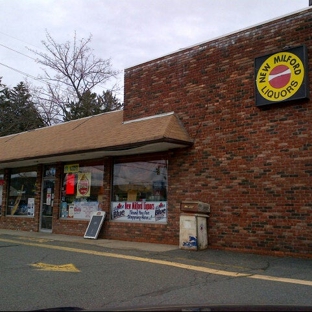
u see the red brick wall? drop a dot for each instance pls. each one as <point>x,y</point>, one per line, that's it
<point>253,165</point>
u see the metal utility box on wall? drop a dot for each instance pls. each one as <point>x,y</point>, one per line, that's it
<point>193,225</point>
<point>194,206</point>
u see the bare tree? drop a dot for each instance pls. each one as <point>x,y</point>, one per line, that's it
<point>48,103</point>
<point>70,71</point>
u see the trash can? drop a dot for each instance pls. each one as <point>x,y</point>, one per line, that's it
<point>193,225</point>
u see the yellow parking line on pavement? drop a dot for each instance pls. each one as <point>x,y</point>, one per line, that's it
<point>38,240</point>
<point>281,279</point>
<point>55,267</point>
<point>165,262</point>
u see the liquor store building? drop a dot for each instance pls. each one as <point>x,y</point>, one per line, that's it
<point>226,122</point>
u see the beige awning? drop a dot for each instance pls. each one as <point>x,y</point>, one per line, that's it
<point>93,137</point>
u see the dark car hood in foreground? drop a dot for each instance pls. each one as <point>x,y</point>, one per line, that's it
<point>193,308</point>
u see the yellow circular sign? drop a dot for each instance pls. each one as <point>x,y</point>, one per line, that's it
<point>280,76</point>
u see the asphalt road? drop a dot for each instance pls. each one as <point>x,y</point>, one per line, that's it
<point>48,271</point>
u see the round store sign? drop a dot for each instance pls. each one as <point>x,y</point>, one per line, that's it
<point>280,77</point>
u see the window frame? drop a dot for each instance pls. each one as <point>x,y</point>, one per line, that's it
<point>145,209</point>
<point>75,206</point>
<point>28,198</point>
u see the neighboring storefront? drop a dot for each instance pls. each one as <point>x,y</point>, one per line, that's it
<point>98,163</point>
<point>226,122</point>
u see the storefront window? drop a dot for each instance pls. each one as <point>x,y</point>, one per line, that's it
<point>82,190</point>
<point>140,191</point>
<point>22,190</point>
<point>1,189</point>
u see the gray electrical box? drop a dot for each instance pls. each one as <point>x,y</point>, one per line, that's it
<point>193,231</point>
<point>194,225</point>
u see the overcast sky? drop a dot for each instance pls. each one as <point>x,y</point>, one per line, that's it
<point>129,32</point>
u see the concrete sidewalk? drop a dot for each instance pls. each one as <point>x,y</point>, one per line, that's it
<point>218,259</point>
<point>108,243</point>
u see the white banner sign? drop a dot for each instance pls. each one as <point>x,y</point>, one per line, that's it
<point>139,211</point>
<point>79,210</point>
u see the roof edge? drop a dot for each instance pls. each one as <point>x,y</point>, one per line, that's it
<point>219,37</point>
<point>147,118</point>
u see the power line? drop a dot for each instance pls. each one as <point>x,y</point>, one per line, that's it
<point>17,39</point>
<point>17,52</point>
<point>20,72</point>
<point>17,70</point>
<point>30,76</point>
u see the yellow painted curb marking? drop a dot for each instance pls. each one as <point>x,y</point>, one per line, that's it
<point>53,267</point>
<point>39,240</point>
<point>167,263</point>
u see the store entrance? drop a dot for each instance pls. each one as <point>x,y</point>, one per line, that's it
<point>46,210</point>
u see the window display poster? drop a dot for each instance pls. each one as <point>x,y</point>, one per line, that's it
<point>71,168</point>
<point>30,206</point>
<point>79,210</point>
<point>84,184</point>
<point>139,211</point>
<point>71,209</point>
<point>70,184</point>
<point>49,196</point>
<point>64,212</point>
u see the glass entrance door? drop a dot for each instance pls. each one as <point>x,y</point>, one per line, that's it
<point>47,199</point>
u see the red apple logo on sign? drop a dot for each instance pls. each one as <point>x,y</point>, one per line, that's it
<point>279,76</point>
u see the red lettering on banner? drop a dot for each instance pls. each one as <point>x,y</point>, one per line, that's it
<point>137,205</point>
<point>148,206</point>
